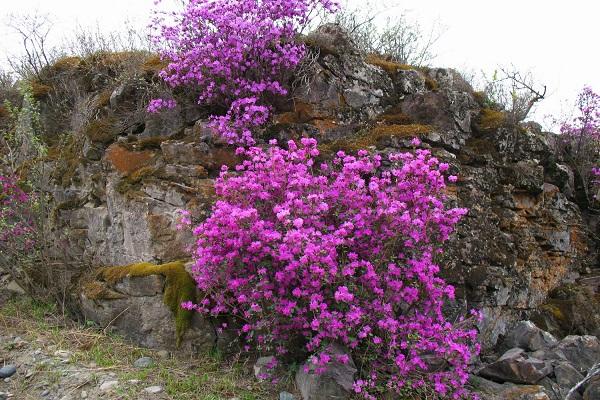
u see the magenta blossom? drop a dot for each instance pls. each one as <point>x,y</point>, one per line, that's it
<point>342,252</point>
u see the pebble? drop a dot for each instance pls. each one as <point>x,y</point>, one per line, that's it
<point>45,393</point>
<point>108,385</point>
<point>286,396</point>
<point>153,389</point>
<point>163,354</point>
<point>84,394</point>
<point>143,362</point>
<point>7,371</point>
<point>134,381</point>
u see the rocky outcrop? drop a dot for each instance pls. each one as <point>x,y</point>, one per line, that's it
<point>523,251</point>
<point>551,369</point>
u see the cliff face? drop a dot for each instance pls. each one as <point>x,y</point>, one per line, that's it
<point>119,177</point>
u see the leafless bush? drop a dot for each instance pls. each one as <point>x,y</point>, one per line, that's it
<point>33,31</point>
<point>88,41</point>
<point>398,39</point>
<point>514,92</point>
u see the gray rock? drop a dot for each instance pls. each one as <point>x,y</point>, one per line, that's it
<point>566,375</point>
<point>143,362</point>
<point>515,366</point>
<point>335,383</point>
<point>592,390</point>
<point>141,286</point>
<point>583,352</point>
<point>527,336</point>
<point>264,367</point>
<point>286,396</point>
<point>153,389</point>
<point>7,371</point>
<point>108,385</point>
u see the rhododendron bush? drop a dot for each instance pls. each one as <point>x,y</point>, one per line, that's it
<point>342,252</point>
<point>236,53</point>
<point>581,139</point>
<point>16,221</point>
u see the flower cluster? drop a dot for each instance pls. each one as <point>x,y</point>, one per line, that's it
<point>342,252</point>
<point>581,138</point>
<point>236,52</point>
<point>16,222</point>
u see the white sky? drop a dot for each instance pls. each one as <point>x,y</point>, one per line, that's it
<point>556,40</point>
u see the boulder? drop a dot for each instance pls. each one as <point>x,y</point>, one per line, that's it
<point>529,337</point>
<point>517,367</point>
<point>334,383</point>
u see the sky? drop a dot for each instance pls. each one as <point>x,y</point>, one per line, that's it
<point>554,40</point>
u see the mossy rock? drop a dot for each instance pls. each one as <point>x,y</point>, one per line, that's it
<point>179,287</point>
<point>374,138</point>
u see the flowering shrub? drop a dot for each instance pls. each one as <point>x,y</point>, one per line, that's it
<point>236,52</point>
<point>581,138</point>
<point>341,252</point>
<point>16,222</point>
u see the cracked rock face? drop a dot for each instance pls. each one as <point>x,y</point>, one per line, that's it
<point>136,310</point>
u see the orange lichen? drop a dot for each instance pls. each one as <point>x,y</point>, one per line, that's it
<point>127,162</point>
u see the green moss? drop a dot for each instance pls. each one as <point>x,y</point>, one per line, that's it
<point>179,287</point>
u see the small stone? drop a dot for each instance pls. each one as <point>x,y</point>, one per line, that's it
<point>153,389</point>
<point>7,371</point>
<point>163,354</point>
<point>45,393</point>
<point>263,368</point>
<point>286,396</point>
<point>108,385</point>
<point>64,354</point>
<point>134,381</point>
<point>84,394</point>
<point>143,362</point>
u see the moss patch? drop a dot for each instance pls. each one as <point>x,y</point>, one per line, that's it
<point>490,119</point>
<point>375,136</point>
<point>102,130</point>
<point>39,90</point>
<point>391,67</point>
<point>67,156</point>
<point>180,287</point>
<point>153,65</point>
